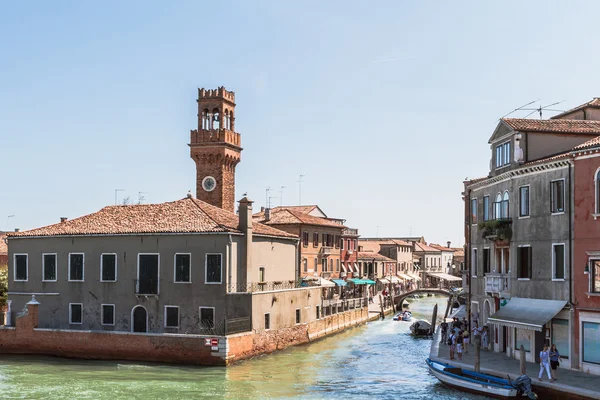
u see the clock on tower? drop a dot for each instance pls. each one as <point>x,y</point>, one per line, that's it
<point>215,147</point>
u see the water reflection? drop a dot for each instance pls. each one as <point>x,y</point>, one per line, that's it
<point>379,360</point>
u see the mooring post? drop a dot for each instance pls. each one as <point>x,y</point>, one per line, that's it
<point>448,307</point>
<point>381,304</point>
<point>477,365</point>
<point>523,360</point>
<point>433,319</point>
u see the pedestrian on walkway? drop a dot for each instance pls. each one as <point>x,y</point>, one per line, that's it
<point>466,341</point>
<point>444,326</point>
<point>452,341</point>
<point>485,338</point>
<point>554,360</point>
<point>459,346</point>
<point>544,363</point>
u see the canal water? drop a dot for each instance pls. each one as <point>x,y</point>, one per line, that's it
<point>379,361</point>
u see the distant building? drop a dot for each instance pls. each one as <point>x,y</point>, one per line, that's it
<point>397,250</point>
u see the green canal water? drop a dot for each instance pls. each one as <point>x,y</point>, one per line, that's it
<point>379,360</point>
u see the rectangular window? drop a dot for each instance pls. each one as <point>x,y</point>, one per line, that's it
<point>558,261</point>
<point>49,267</point>
<point>318,312</point>
<point>499,156</point>
<point>324,265</point>
<point>316,239</point>
<point>337,265</point>
<point>207,317</point>
<point>506,151</point>
<point>342,241</point>
<point>148,273</point>
<point>298,316</point>
<point>21,266</point>
<point>557,192</point>
<point>182,268</point>
<point>524,201</point>
<point>473,211</point>
<point>486,208</point>
<point>213,268</point>
<point>305,239</point>
<point>523,337</point>
<point>108,267</point>
<point>267,321</point>
<point>474,262</point>
<point>305,264</point>
<point>75,313</point>
<point>560,336</point>
<point>486,261</point>
<point>316,265</point>
<point>524,262</point>
<point>591,342</point>
<point>108,314</point>
<point>595,271</point>
<point>261,274</point>
<point>336,241</point>
<point>171,317</point>
<point>76,266</point>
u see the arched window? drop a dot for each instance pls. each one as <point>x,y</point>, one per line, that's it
<point>498,206</point>
<point>216,119</point>
<point>505,205</point>
<point>337,265</point>
<point>305,264</point>
<point>205,119</point>
<point>331,264</point>
<point>316,265</point>
<point>597,180</point>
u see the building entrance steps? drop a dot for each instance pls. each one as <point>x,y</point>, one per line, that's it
<point>568,381</point>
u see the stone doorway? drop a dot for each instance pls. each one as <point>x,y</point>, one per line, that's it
<point>139,319</point>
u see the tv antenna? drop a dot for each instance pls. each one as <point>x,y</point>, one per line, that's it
<point>300,189</point>
<point>539,109</point>
<point>281,195</point>
<point>271,198</point>
<point>141,197</point>
<point>267,190</point>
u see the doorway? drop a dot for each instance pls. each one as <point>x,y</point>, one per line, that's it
<point>139,319</point>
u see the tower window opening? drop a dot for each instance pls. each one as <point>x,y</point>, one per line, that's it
<point>216,119</point>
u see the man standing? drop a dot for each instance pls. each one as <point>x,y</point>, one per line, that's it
<point>444,326</point>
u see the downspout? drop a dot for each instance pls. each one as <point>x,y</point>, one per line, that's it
<point>571,216</point>
<point>232,287</point>
<point>468,255</point>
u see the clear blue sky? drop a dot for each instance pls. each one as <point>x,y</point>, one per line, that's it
<point>385,108</point>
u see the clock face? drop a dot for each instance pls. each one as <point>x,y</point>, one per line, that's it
<point>209,183</point>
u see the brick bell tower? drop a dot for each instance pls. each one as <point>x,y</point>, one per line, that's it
<point>216,148</point>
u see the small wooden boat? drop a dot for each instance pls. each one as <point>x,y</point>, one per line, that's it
<point>403,316</point>
<point>470,381</point>
<point>421,329</point>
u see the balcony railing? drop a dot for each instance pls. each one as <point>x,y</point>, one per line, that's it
<point>146,286</point>
<point>350,232</point>
<point>497,283</point>
<point>252,287</point>
<point>326,251</point>
<point>496,229</point>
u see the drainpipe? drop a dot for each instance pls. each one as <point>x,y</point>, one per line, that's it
<point>232,286</point>
<point>468,260</point>
<point>571,216</point>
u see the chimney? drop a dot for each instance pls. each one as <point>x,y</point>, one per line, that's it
<point>262,209</point>
<point>246,228</point>
<point>63,219</point>
<point>16,229</point>
<point>448,243</point>
<point>267,214</point>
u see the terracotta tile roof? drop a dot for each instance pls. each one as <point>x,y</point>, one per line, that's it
<point>553,125</point>
<point>589,144</point>
<point>375,245</point>
<point>287,216</point>
<point>188,215</point>
<point>369,255</point>
<point>595,103</point>
<point>302,209</point>
<point>442,248</point>
<point>424,247</point>
<point>3,246</point>
<point>556,157</point>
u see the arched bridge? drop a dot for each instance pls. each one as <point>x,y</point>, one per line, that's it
<point>400,298</point>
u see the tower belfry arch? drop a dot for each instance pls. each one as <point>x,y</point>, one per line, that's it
<point>216,148</point>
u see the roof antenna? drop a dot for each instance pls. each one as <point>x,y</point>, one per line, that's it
<point>520,108</point>
<point>281,195</point>
<point>300,189</point>
<point>544,108</point>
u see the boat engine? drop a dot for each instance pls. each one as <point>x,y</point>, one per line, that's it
<point>523,385</point>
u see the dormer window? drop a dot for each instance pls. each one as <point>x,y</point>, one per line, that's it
<point>502,155</point>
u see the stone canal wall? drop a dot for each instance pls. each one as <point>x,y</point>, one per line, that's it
<point>26,338</point>
<point>248,345</point>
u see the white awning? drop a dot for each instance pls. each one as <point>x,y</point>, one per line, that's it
<point>395,279</point>
<point>383,280</point>
<point>415,276</point>
<point>356,268</point>
<point>325,283</point>
<point>445,276</point>
<point>406,277</point>
<point>344,267</point>
<point>531,314</point>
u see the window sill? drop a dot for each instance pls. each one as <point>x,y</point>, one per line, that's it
<point>589,294</point>
<point>113,281</point>
<point>523,279</point>
<point>19,280</point>
<point>557,280</point>
<point>189,283</point>
<point>213,283</point>
<point>76,280</point>
<point>48,280</point>
<point>558,213</point>
<point>171,327</point>
<point>524,217</point>
<point>595,216</point>
<point>107,324</point>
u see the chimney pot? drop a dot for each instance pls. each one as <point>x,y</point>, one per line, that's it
<point>16,229</point>
<point>448,242</point>
<point>63,219</point>
<point>262,209</point>
<point>267,214</point>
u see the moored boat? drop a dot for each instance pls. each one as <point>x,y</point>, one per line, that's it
<point>475,382</point>
<point>421,329</point>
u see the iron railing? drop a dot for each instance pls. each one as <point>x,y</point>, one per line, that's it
<point>251,287</point>
<point>146,286</point>
<point>238,325</point>
<point>224,327</point>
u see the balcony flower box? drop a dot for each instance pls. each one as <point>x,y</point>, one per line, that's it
<point>497,230</point>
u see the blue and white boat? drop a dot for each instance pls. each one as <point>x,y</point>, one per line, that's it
<point>403,316</point>
<point>470,381</point>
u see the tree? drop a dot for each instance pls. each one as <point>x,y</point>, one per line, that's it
<point>3,284</point>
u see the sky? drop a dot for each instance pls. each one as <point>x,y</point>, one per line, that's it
<point>384,108</point>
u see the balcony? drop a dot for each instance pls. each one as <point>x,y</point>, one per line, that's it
<point>146,287</point>
<point>350,232</point>
<point>497,283</point>
<point>497,230</point>
<point>326,251</point>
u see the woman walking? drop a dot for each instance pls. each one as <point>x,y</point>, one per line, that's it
<point>459,345</point>
<point>485,338</point>
<point>544,363</point>
<point>554,360</point>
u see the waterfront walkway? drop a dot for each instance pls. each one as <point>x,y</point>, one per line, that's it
<point>568,381</point>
